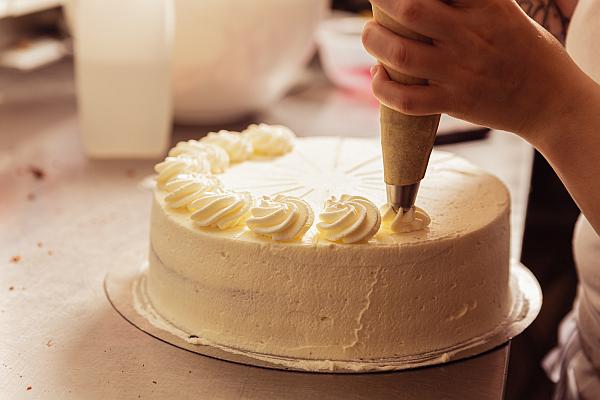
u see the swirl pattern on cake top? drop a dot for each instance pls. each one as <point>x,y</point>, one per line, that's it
<point>413,220</point>
<point>185,188</point>
<point>282,218</point>
<point>173,166</point>
<point>349,219</point>
<point>216,155</point>
<point>270,140</point>
<point>238,147</point>
<point>221,210</point>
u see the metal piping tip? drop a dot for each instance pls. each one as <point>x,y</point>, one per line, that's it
<point>402,196</point>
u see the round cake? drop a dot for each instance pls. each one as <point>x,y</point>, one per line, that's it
<point>219,272</point>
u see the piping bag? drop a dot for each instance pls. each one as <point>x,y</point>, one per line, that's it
<point>406,141</point>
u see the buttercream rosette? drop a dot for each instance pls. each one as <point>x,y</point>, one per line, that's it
<point>221,210</point>
<point>185,188</point>
<point>402,221</point>
<point>172,166</point>
<point>216,156</point>
<point>349,219</point>
<point>282,218</point>
<point>238,147</point>
<point>270,140</point>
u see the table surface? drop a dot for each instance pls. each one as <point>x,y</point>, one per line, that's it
<point>65,220</point>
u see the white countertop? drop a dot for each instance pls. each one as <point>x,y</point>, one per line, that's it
<point>58,333</point>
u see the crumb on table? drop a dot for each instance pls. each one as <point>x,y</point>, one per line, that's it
<point>15,259</point>
<point>37,172</point>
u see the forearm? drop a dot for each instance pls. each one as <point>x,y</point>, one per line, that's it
<point>571,144</point>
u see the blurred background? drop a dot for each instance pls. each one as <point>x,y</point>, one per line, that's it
<point>126,79</point>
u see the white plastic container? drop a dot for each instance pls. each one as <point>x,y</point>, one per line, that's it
<point>123,68</point>
<point>345,61</point>
<point>233,57</point>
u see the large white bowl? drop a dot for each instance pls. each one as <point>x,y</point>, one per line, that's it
<point>234,57</point>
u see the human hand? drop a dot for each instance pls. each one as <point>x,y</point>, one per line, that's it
<point>489,63</point>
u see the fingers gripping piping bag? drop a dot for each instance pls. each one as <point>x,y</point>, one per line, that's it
<point>406,140</point>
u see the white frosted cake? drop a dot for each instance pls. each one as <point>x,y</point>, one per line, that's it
<point>300,274</point>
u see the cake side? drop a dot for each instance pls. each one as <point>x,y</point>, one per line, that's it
<point>337,302</point>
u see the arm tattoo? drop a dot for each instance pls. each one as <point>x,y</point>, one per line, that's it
<point>548,14</point>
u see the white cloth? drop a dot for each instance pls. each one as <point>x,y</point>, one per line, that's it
<point>586,248</point>
<point>575,363</point>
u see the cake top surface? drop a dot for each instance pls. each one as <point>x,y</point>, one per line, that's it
<point>458,196</point>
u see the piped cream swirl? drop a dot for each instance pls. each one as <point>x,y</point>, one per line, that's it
<point>282,218</point>
<point>238,147</point>
<point>221,210</point>
<point>350,219</point>
<point>415,219</point>
<point>185,188</point>
<point>173,166</point>
<point>216,155</point>
<point>270,140</point>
